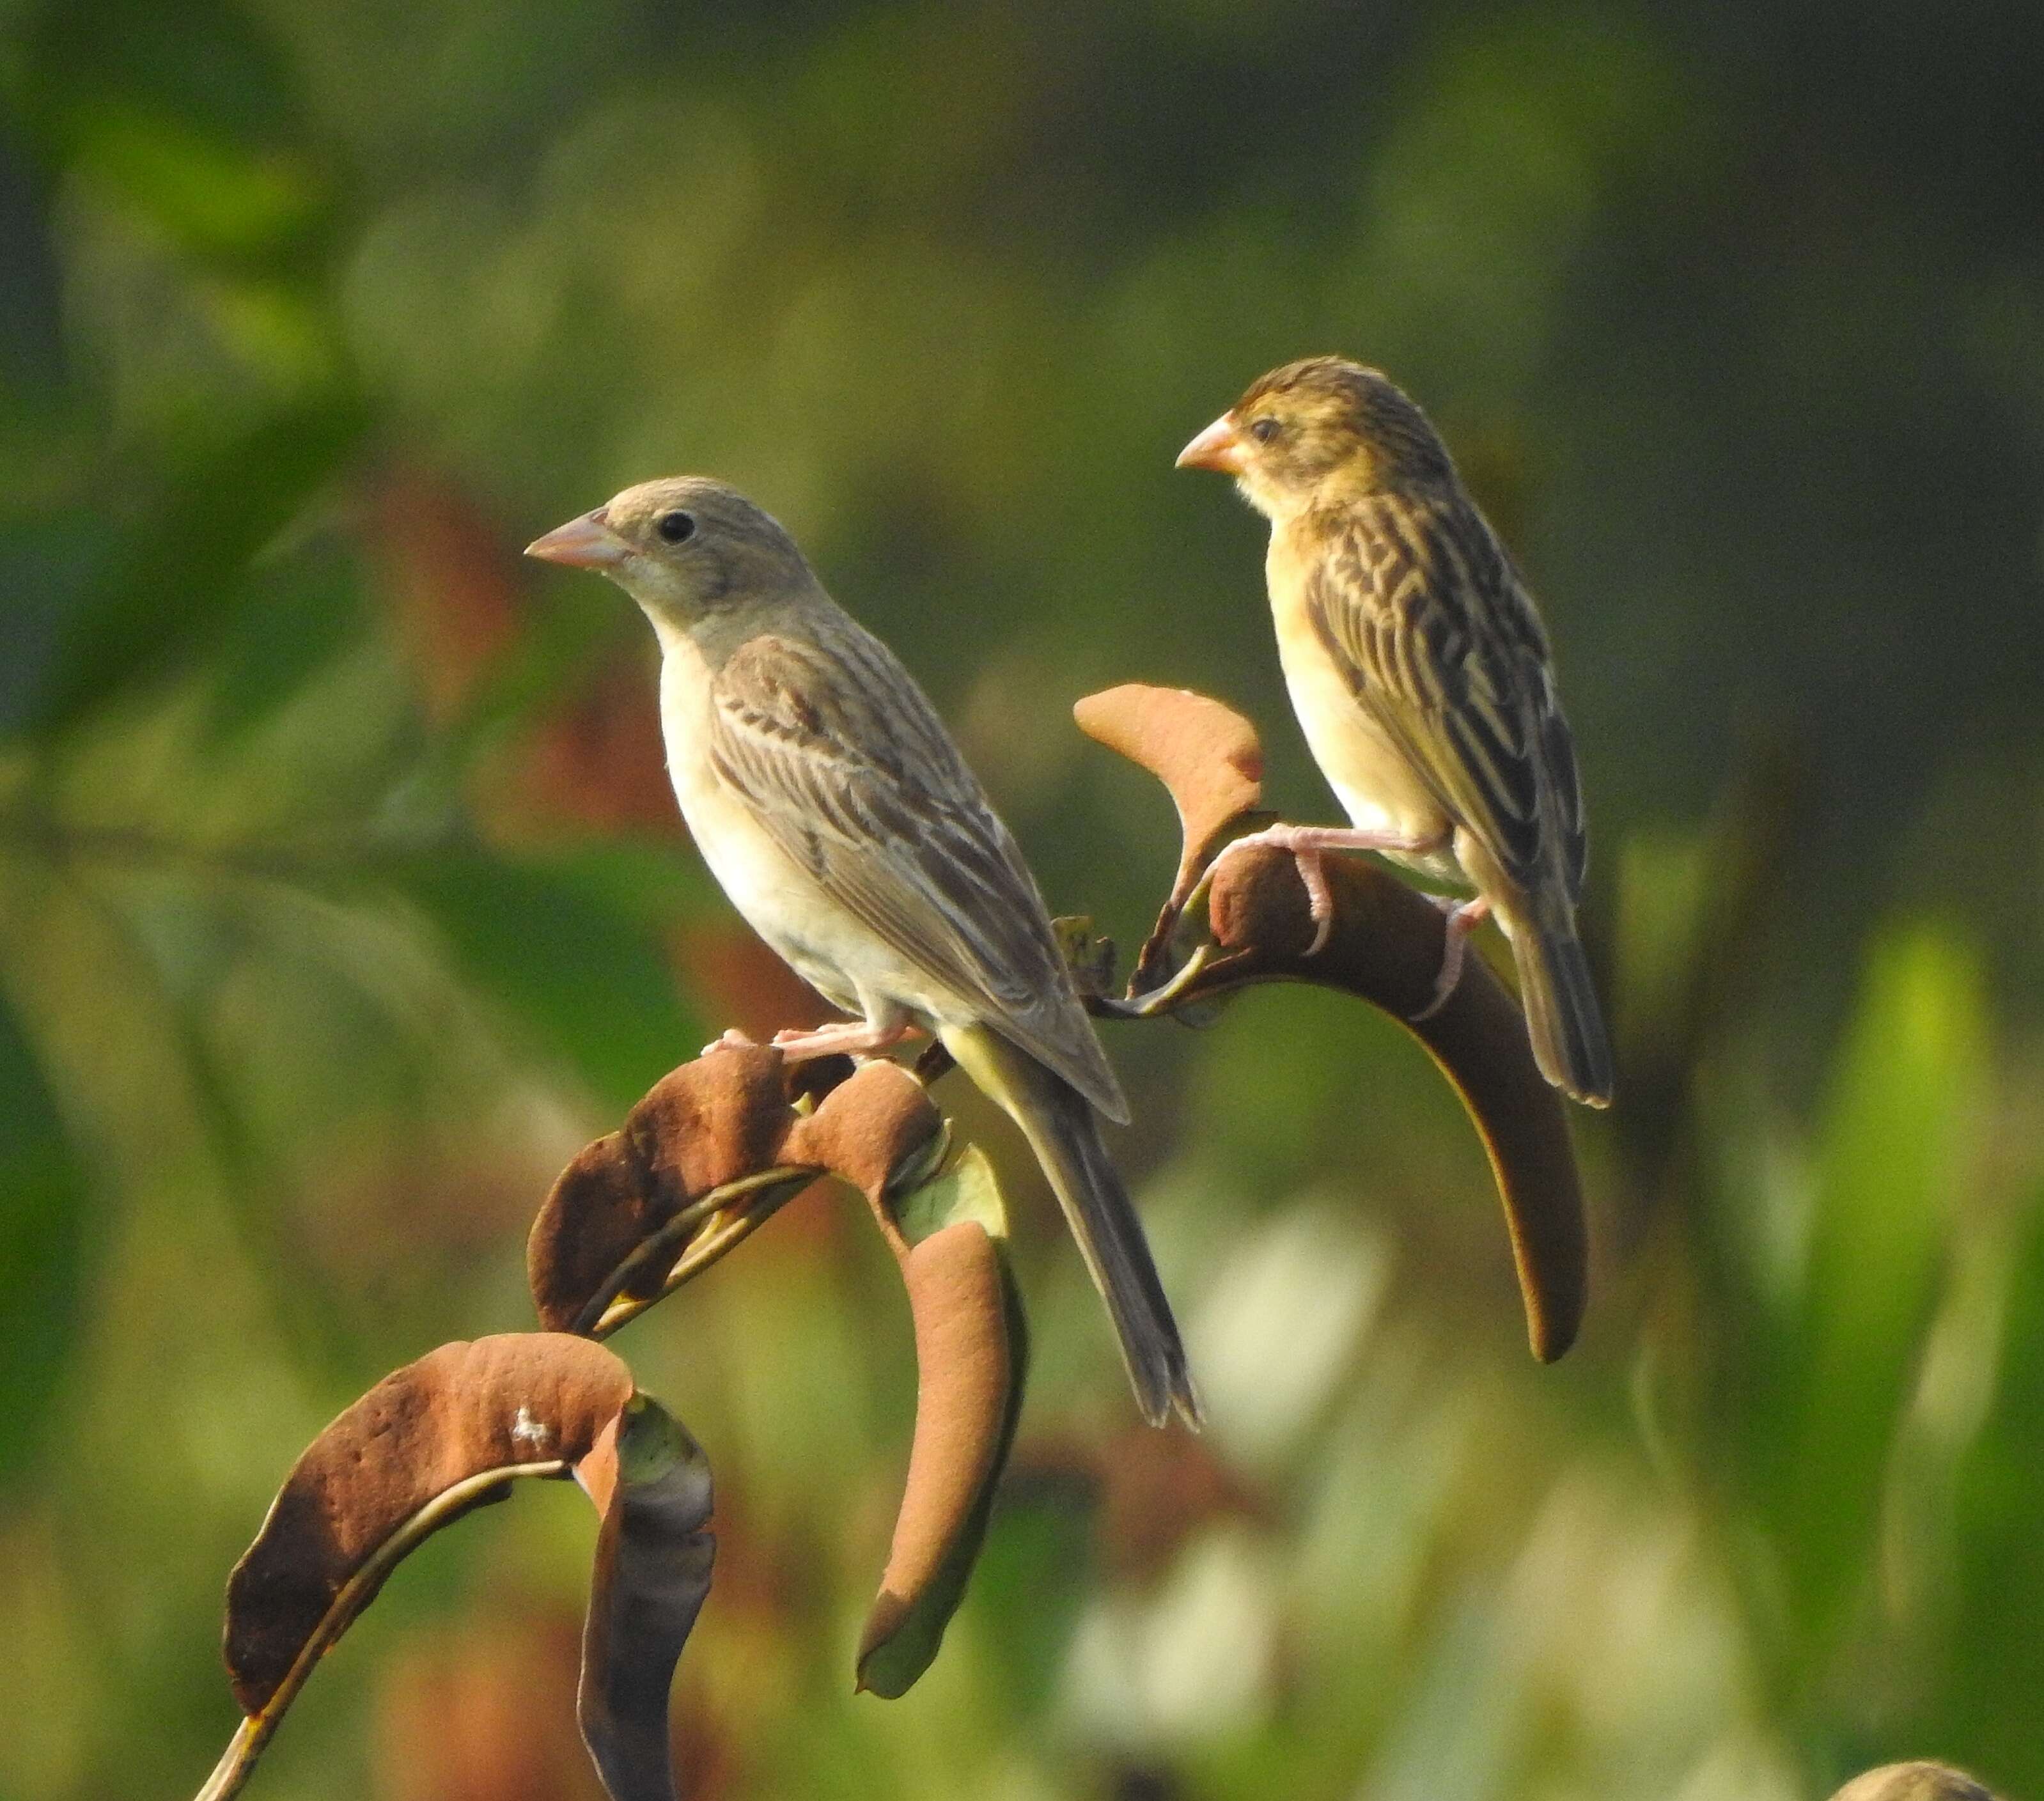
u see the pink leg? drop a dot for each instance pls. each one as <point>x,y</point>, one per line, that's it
<point>1307,842</point>
<point>844,1038</point>
<point>733,1039</point>
<point>1463,918</point>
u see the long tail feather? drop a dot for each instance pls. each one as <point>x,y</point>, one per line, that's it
<point>1561,1015</point>
<point>1064,1131</point>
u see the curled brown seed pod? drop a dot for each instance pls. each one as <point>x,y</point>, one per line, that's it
<point>1384,944</point>
<point>970,1353</point>
<point>432,1442</point>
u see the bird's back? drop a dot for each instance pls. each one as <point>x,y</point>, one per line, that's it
<point>836,752</point>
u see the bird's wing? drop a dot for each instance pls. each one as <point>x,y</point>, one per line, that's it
<point>1418,603</point>
<point>838,755</point>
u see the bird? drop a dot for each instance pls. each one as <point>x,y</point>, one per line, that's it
<point>1423,679</point>
<point>840,819</point>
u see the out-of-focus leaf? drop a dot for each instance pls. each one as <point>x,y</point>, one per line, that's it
<point>213,196</point>
<point>653,1563</point>
<point>183,964</point>
<point>1913,1064</point>
<point>44,1232</point>
<point>555,648</point>
<point>1038,1564</point>
<point>51,564</point>
<point>1993,1670</point>
<point>282,632</point>
<point>563,943</point>
<point>187,111</point>
<point>176,576</point>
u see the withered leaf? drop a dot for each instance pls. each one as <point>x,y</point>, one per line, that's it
<point>653,1563</point>
<point>528,1400</point>
<point>713,1149</point>
<point>971,1350</point>
<point>437,1438</point>
<point>1385,947</point>
<point>1205,754</point>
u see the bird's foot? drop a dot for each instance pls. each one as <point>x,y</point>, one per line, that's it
<point>1464,917</point>
<point>843,1038</point>
<point>733,1039</point>
<point>1308,845</point>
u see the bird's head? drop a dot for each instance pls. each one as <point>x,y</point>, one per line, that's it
<point>1315,431</point>
<point>686,549</point>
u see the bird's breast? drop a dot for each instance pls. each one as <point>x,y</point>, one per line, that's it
<point>1377,785</point>
<point>821,939</point>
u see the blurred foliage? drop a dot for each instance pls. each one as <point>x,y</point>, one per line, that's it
<point>340,896</point>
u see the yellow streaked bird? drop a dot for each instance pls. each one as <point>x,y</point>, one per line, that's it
<point>1422,678</point>
<point>830,802</point>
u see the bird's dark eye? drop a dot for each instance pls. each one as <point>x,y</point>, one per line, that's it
<point>1264,430</point>
<point>676,527</point>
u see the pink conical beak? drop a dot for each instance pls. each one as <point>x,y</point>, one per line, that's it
<point>586,543</point>
<point>1219,447</point>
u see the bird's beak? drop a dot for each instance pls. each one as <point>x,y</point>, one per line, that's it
<point>586,543</point>
<point>1219,447</point>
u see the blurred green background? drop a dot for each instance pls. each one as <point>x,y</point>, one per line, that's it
<point>341,898</point>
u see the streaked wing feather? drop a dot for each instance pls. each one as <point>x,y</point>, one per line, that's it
<point>843,762</point>
<point>1419,603</point>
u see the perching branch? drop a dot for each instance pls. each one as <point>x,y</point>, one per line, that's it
<point>716,1147</point>
<point>719,1145</point>
<point>1385,947</point>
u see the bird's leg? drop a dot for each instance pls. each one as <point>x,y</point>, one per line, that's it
<point>1308,844</point>
<point>842,1037</point>
<point>1464,917</point>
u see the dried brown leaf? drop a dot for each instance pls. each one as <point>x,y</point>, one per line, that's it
<point>867,1131</point>
<point>1205,754</point>
<point>1385,947</point>
<point>601,1205</point>
<point>712,1151</point>
<point>511,1402</point>
<point>710,1122</point>
<point>652,1572</point>
<point>949,1235</point>
<point>965,1382</point>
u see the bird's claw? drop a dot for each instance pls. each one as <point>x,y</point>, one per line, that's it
<point>732,1039</point>
<point>1320,902</point>
<point>1464,917</point>
<point>1305,855</point>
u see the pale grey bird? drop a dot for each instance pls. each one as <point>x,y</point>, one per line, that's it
<point>829,799</point>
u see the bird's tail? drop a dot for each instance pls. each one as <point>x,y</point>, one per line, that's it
<point>1064,1131</point>
<point>1561,1003</point>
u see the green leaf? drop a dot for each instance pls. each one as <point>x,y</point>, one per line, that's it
<point>284,629</point>
<point>177,574</point>
<point>967,1189</point>
<point>1993,1670</point>
<point>565,944</point>
<point>45,1220</point>
<point>1913,1064</point>
<point>190,113</point>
